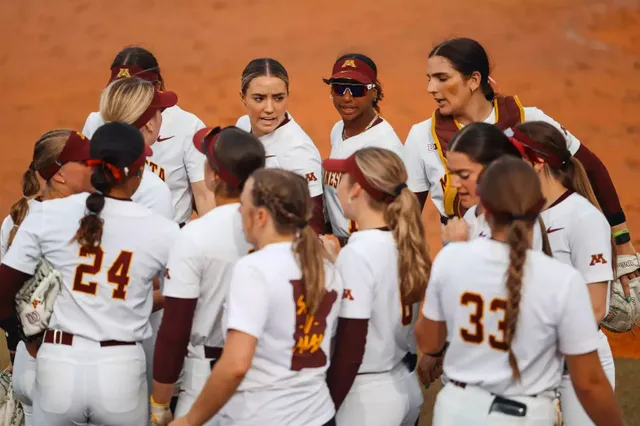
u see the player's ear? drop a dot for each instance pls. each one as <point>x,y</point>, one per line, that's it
<point>538,166</point>
<point>242,99</point>
<point>59,177</point>
<point>356,189</point>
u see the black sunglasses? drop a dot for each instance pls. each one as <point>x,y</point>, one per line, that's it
<point>356,90</point>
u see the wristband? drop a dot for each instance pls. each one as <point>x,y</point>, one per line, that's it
<point>622,237</point>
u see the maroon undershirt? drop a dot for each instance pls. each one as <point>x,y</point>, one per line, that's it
<point>350,341</point>
<point>11,281</point>
<point>173,338</point>
<point>317,215</point>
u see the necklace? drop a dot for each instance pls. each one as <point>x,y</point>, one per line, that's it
<point>344,130</point>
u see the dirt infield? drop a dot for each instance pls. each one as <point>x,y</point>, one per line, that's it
<point>577,60</point>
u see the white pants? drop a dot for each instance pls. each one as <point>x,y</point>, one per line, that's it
<point>196,372</point>
<point>393,398</point>
<point>24,379</point>
<point>572,412</point>
<point>470,406</point>
<point>88,384</point>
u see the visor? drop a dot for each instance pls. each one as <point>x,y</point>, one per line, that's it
<point>205,140</point>
<point>126,71</point>
<point>76,149</point>
<point>352,69</point>
<point>535,151</point>
<point>161,101</point>
<point>349,165</point>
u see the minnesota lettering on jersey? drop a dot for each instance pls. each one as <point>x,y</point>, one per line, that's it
<point>332,179</point>
<point>310,329</point>
<point>155,168</point>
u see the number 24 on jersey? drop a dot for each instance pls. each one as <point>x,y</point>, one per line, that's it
<point>117,274</point>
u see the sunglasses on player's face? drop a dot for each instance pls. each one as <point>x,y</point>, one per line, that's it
<point>356,90</point>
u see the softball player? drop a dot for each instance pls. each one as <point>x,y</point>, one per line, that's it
<point>281,313</point>
<point>458,73</point>
<point>91,365</point>
<point>174,158</point>
<point>136,101</point>
<point>56,171</point>
<point>579,236</point>
<point>471,150</point>
<point>356,94</point>
<point>265,95</point>
<point>507,338</point>
<point>385,267</point>
<point>199,271</point>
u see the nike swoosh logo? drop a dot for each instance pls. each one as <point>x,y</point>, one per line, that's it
<point>165,139</point>
<point>269,156</point>
<point>550,230</point>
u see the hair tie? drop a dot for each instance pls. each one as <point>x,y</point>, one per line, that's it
<point>32,166</point>
<point>399,188</point>
<point>98,192</point>
<point>93,213</point>
<point>302,224</point>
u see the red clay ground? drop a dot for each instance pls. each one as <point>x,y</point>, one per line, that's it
<point>578,60</point>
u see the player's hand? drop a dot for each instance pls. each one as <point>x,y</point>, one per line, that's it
<point>456,229</point>
<point>160,413</point>
<point>429,369</point>
<point>331,245</point>
<point>180,421</point>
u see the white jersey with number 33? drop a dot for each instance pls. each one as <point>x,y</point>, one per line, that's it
<point>107,291</point>
<point>381,135</point>
<point>555,317</point>
<point>286,383</point>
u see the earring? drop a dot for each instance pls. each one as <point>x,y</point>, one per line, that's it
<point>350,200</point>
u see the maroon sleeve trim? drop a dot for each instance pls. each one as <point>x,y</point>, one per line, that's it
<point>602,185</point>
<point>11,280</point>
<point>350,341</point>
<point>317,215</point>
<point>422,198</point>
<point>173,338</point>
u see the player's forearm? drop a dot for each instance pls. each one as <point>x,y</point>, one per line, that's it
<point>158,301</point>
<point>220,387</point>
<point>600,404</point>
<point>204,199</point>
<point>602,186</point>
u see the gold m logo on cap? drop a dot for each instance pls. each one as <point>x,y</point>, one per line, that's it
<point>124,72</point>
<point>349,63</point>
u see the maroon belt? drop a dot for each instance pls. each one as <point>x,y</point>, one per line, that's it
<point>458,384</point>
<point>63,338</point>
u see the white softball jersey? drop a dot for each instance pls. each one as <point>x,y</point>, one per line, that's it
<point>175,160</point>
<point>154,194</point>
<point>368,266</point>
<point>7,226</point>
<point>200,266</point>
<point>290,148</point>
<point>424,164</point>
<point>580,236</point>
<point>555,317</point>
<point>286,383</point>
<point>107,293</point>
<point>479,228</point>
<point>381,135</point>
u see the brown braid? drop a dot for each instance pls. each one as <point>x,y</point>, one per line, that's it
<point>286,196</point>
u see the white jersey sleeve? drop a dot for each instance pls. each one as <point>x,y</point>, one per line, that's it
<point>5,230</point>
<point>25,250</point>
<point>248,300</point>
<point>304,160</point>
<point>94,120</point>
<point>415,151</point>
<point>154,194</point>
<point>590,247</point>
<point>577,329</point>
<point>536,114</point>
<point>432,306</point>
<point>359,285</point>
<point>184,269</point>
<point>194,159</point>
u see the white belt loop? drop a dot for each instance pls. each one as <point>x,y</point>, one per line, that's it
<point>57,337</point>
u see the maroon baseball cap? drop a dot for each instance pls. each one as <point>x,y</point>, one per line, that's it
<point>350,166</point>
<point>76,149</point>
<point>352,68</point>
<point>161,101</point>
<point>205,140</point>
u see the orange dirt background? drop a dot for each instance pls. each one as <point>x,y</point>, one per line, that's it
<point>577,60</point>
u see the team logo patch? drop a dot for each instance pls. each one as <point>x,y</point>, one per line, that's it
<point>346,294</point>
<point>597,258</point>
<point>310,177</point>
<point>123,73</point>
<point>349,63</point>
